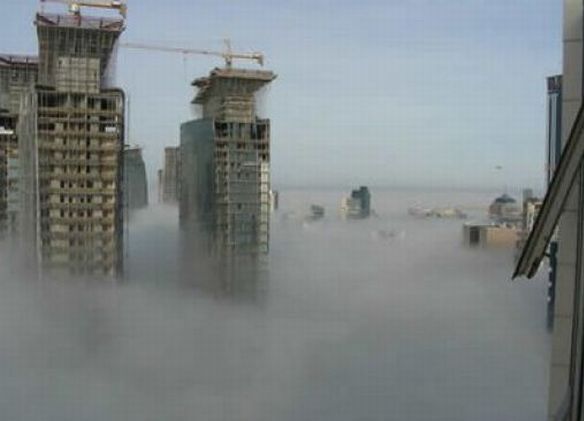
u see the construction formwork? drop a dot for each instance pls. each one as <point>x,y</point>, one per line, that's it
<point>226,164</point>
<point>71,149</point>
<point>77,53</point>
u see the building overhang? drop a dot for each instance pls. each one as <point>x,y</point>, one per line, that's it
<point>205,85</point>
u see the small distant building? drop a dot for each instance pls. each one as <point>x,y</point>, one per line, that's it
<point>358,205</point>
<point>135,183</point>
<point>505,210</point>
<point>316,213</point>
<point>490,235</point>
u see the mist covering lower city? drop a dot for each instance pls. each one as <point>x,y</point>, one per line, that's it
<point>296,211</point>
<point>344,325</point>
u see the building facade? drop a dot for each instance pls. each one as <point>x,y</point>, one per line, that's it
<point>71,137</point>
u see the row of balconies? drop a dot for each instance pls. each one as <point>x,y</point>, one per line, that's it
<point>67,258</point>
<point>79,133</point>
<point>65,111</point>
<point>88,119</point>
<point>82,147</point>
<point>226,141</point>
<point>78,206</point>
<point>105,191</point>
<point>48,175</point>
<point>66,236</point>
<point>68,220</point>
<point>84,227</point>
<point>75,245</point>
<point>92,162</point>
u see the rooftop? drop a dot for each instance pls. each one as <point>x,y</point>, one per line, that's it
<point>78,21</point>
<point>17,59</point>
<point>505,198</point>
<point>206,84</point>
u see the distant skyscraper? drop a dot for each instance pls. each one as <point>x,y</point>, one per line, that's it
<point>160,176</point>
<point>171,175</point>
<point>135,183</point>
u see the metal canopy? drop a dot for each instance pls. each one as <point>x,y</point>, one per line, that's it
<point>554,202</point>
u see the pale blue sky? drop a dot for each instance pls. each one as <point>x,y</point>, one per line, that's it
<point>382,92</point>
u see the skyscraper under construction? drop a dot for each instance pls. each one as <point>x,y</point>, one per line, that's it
<point>225,161</point>
<point>71,137</point>
<point>18,74</point>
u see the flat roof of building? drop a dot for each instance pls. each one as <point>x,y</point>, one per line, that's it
<point>18,59</point>
<point>80,21</point>
<point>205,84</point>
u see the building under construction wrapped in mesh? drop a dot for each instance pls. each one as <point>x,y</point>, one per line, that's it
<point>225,161</point>
<point>71,137</point>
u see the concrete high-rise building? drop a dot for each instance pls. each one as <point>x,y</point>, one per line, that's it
<point>160,177</point>
<point>171,175</point>
<point>566,101</point>
<point>135,183</point>
<point>226,164</point>
<point>71,137</point>
<point>563,207</point>
<point>17,75</point>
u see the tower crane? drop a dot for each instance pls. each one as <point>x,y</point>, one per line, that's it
<point>76,5</point>
<point>228,54</point>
